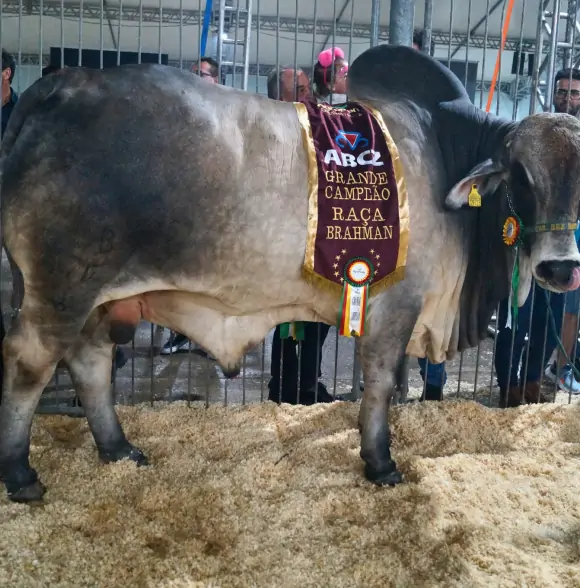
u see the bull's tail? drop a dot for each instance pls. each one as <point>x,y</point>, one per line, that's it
<point>31,100</point>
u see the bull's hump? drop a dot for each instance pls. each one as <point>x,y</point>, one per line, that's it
<point>133,82</point>
<point>404,71</point>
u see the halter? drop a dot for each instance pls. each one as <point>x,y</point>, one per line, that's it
<point>512,233</point>
<point>545,227</point>
<point>552,228</point>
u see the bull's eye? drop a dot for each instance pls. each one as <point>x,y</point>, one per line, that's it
<point>522,193</point>
<point>519,176</point>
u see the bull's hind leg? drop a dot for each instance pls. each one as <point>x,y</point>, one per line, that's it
<point>89,363</point>
<point>382,354</point>
<point>32,348</point>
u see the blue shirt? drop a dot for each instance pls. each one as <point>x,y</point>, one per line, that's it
<point>7,109</point>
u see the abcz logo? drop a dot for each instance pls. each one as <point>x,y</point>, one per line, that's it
<point>352,140</point>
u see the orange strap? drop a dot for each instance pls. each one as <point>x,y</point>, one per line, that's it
<point>504,32</point>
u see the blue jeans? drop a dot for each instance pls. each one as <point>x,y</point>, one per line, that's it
<point>436,373</point>
<point>538,354</point>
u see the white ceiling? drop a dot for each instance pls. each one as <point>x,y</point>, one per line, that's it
<point>24,36</point>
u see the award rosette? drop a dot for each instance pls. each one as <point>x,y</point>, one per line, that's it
<point>358,274</point>
<point>511,231</point>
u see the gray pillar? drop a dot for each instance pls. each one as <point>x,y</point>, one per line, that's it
<point>427,26</point>
<point>401,22</point>
<point>552,56</point>
<point>375,20</point>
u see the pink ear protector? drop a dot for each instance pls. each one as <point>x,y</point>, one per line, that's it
<point>325,59</point>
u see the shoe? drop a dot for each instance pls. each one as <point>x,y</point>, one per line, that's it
<point>310,396</point>
<point>514,396</point>
<point>533,394</point>
<point>176,344</point>
<point>288,393</point>
<point>566,381</point>
<point>432,392</point>
<point>306,397</point>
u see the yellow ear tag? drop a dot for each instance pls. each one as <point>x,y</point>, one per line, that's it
<point>474,197</point>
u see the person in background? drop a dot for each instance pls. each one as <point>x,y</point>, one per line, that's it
<point>289,85</point>
<point>328,85</point>
<point>208,70</point>
<point>418,42</point>
<point>9,96</point>
<point>567,91</point>
<point>525,381</point>
<point>281,86</point>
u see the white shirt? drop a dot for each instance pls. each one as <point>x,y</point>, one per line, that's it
<point>333,99</point>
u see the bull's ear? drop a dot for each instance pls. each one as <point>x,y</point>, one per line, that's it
<point>483,180</point>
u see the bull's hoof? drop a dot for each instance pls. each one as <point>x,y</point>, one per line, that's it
<point>21,481</point>
<point>385,477</point>
<point>125,452</point>
<point>31,493</point>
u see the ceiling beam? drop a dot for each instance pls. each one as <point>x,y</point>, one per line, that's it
<point>288,25</point>
<point>261,69</point>
<point>337,21</point>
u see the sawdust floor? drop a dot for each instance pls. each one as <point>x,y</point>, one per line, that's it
<point>274,496</point>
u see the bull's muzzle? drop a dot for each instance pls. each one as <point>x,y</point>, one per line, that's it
<point>563,274</point>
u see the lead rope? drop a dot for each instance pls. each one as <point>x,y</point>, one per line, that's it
<point>513,308</point>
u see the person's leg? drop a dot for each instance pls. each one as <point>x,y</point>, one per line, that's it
<point>560,371</point>
<point>541,344</point>
<point>284,360</point>
<point>311,389</point>
<point>508,352</point>
<point>435,376</point>
<point>556,304</point>
<point>175,344</point>
<point>178,343</point>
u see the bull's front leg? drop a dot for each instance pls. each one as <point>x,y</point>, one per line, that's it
<point>382,354</point>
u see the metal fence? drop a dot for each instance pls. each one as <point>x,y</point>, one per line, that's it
<point>249,38</point>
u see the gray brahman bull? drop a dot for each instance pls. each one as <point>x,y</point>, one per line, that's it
<point>141,192</point>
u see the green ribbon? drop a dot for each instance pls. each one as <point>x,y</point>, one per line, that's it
<point>298,334</point>
<point>340,313</point>
<point>515,286</point>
